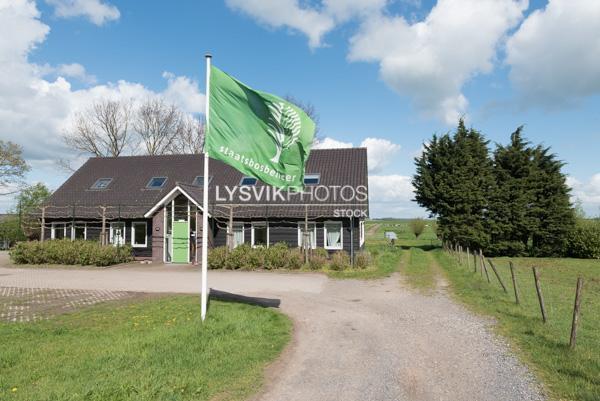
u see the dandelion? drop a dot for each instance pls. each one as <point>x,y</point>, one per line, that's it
<point>14,389</point>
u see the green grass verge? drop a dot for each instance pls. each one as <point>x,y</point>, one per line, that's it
<point>386,260</point>
<point>419,271</point>
<point>568,375</point>
<point>152,349</point>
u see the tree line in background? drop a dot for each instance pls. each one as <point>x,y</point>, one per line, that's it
<point>513,201</point>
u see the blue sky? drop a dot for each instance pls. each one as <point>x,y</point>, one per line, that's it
<point>392,71</point>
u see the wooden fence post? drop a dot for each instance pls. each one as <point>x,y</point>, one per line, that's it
<point>514,281</point>
<point>573,338</point>
<point>103,231</point>
<point>468,257</point>
<point>43,228</point>
<point>538,289</point>
<point>483,267</point>
<point>475,262</point>
<point>497,275</point>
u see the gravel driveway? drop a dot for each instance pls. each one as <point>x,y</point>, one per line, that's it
<point>354,340</point>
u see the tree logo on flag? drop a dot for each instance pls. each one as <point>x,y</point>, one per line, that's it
<point>284,127</point>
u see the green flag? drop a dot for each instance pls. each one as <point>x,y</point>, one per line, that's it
<point>260,134</point>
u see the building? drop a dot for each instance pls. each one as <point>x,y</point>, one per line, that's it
<point>154,203</point>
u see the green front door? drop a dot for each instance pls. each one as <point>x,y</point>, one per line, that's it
<point>181,242</point>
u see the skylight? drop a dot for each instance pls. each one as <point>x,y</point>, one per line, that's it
<point>199,180</point>
<point>102,183</point>
<point>156,182</point>
<point>248,181</point>
<point>312,179</point>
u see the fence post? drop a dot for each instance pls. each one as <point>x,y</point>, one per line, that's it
<point>42,233</point>
<point>468,257</point>
<point>573,338</point>
<point>103,232</point>
<point>514,281</point>
<point>497,275</point>
<point>538,289</point>
<point>483,268</point>
<point>474,261</point>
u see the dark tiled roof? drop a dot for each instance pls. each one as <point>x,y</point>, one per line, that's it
<point>127,195</point>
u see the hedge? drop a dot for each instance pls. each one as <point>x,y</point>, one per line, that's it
<point>67,252</point>
<point>279,256</point>
<point>584,241</point>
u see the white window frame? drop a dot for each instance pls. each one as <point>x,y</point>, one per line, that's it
<point>361,229</point>
<point>84,230</point>
<point>263,224</point>
<point>111,232</point>
<point>53,229</point>
<point>314,231</point>
<point>145,244</point>
<point>341,246</point>
<point>238,225</point>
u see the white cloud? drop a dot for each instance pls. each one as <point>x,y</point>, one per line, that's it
<point>555,54</point>
<point>96,11</point>
<point>379,152</point>
<point>35,110</point>
<point>183,92</point>
<point>587,192</point>
<point>330,143</point>
<point>391,196</point>
<point>432,59</point>
<point>342,10</point>
<point>287,13</point>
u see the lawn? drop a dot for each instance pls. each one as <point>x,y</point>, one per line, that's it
<point>147,349</point>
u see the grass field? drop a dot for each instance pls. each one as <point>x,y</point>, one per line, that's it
<point>151,349</point>
<point>566,374</point>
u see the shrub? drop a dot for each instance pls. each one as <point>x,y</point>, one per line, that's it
<point>217,257</point>
<point>584,241</point>
<point>67,252</point>
<point>295,259</point>
<point>322,252</point>
<point>317,262</point>
<point>276,256</point>
<point>339,261</point>
<point>363,260</point>
<point>417,226</point>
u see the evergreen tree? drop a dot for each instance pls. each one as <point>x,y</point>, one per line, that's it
<point>509,222</point>
<point>551,214</point>
<point>453,179</point>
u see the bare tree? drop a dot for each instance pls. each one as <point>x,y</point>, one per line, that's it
<point>102,130</point>
<point>190,136</point>
<point>158,125</point>
<point>309,109</point>
<point>12,167</point>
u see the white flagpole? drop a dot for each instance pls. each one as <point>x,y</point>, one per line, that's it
<point>204,296</point>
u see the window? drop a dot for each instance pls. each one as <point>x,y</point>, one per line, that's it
<point>312,235</point>
<point>238,234</point>
<point>102,183</point>
<point>117,233</point>
<point>332,233</point>
<point>361,227</point>
<point>79,231</point>
<point>260,234</point>
<point>156,182</point>
<point>199,180</point>
<point>248,181</point>
<point>312,179</point>
<point>138,234</point>
<point>59,231</point>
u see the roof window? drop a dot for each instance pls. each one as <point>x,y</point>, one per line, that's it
<point>199,180</point>
<point>248,181</point>
<point>312,179</point>
<point>101,183</point>
<point>156,182</point>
